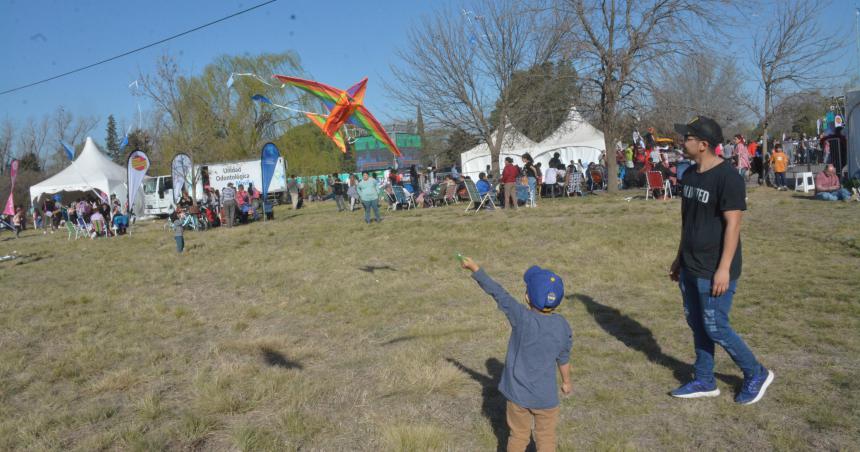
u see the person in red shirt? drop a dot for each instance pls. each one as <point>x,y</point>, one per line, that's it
<point>828,187</point>
<point>509,180</point>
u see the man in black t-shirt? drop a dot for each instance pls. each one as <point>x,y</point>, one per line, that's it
<point>708,263</point>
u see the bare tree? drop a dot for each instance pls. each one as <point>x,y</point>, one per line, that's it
<point>33,137</point>
<point>7,138</point>
<point>699,84</point>
<point>793,50</point>
<point>70,130</point>
<point>617,42</point>
<point>459,67</point>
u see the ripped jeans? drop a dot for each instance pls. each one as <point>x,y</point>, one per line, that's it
<point>708,317</point>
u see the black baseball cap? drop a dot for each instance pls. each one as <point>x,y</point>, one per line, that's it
<point>702,127</point>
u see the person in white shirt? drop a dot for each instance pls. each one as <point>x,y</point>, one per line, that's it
<point>549,179</point>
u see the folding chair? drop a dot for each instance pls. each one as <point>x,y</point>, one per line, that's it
<point>655,181</point>
<point>451,194</point>
<point>437,194</point>
<point>83,227</point>
<point>403,198</point>
<point>99,228</point>
<point>475,198</point>
<point>574,183</point>
<point>596,180</point>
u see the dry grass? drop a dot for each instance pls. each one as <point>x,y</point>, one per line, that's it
<point>317,332</point>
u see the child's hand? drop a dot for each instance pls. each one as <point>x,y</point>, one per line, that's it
<point>566,388</point>
<point>469,264</point>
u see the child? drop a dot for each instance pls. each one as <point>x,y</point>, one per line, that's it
<point>176,218</point>
<point>540,340</point>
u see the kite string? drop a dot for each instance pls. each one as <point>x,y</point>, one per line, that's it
<point>263,81</point>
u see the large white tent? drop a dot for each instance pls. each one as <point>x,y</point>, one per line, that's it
<point>514,144</point>
<point>575,139</point>
<point>90,170</point>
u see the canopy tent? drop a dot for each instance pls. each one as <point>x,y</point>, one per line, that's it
<point>575,139</point>
<point>90,170</point>
<point>514,144</point>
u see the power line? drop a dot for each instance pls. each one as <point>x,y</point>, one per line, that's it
<point>12,90</point>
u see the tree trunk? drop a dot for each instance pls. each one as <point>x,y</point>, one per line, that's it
<point>764,135</point>
<point>611,164</point>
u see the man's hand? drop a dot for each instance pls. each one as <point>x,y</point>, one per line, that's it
<point>675,270</point>
<point>469,264</point>
<point>566,388</point>
<point>720,284</point>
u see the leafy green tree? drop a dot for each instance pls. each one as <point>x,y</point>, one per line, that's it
<point>544,95</point>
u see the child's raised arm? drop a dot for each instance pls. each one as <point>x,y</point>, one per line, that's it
<point>508,304</point>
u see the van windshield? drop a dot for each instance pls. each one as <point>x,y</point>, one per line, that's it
<point>150,186</point>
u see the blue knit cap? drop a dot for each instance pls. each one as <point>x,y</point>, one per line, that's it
<point>545,288</point>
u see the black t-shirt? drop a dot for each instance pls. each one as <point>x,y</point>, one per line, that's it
<point>705,197</point>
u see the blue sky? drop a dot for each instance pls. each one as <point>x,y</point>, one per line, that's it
<point>44,38</point>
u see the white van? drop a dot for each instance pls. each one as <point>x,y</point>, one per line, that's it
<point>158,196</point>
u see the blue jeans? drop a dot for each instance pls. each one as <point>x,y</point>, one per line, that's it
<point>180,243</point>
<point>708,317</point>
<point>838,195</point>
<point>371,205</point>
<point>779,179</point>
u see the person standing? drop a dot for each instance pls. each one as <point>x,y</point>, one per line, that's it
<point>779,162</point>
<point>708,264</point>
<point>228,202</point>
<point>743,157</point>
<point>178,230</point>
<point>369,196</point>
<point>293,188</point>
<point>338,191</point>
<point>415,179</point>
<point>531,173</point>
<point>352,192</point>
<point>509,181</point>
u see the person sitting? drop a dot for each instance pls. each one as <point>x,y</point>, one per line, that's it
<point>483,185</point>
<point>828,187</point>
<point>98,222</point>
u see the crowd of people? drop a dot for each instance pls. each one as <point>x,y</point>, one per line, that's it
<point>91,215</point>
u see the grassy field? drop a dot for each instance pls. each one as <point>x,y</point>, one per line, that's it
<point>318,332</point>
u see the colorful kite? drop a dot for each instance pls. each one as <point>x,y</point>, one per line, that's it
<point>344,107</point>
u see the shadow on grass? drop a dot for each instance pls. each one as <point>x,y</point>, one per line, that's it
<point>638,337</point>
<point>493,406</point>
<point>805,197</point>
<point>277,359</point>
<point>373,268</point>
<point>443,333</point>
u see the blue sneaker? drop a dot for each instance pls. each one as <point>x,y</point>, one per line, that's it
<point>753,388</point>
<point>696,389</point>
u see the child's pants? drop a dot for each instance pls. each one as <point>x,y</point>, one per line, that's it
<point>520,425</point>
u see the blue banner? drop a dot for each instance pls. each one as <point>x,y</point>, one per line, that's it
<point>268,161</point>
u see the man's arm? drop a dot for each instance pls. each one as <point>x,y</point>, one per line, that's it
<point>731,237</point>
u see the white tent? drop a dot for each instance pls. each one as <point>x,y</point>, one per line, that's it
<point>514,144</point>
<point>575,139</point>
<point>90,170</point>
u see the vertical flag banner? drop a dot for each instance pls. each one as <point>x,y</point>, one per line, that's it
<point>10,203</point>
<point>181,174</point>
<point>70,152</point>
<point>138,164</point>
<point>268,161</point>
